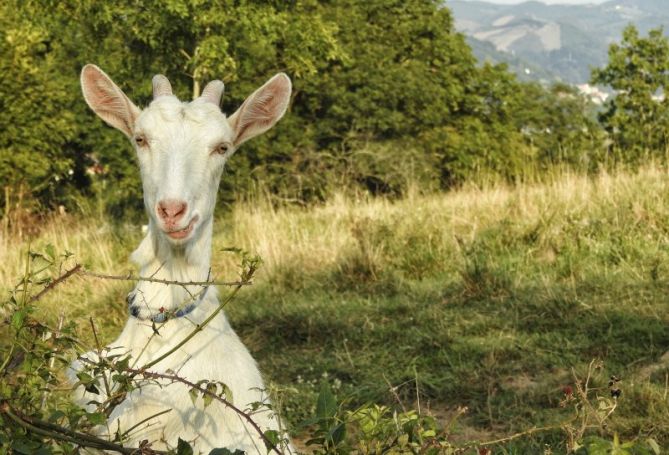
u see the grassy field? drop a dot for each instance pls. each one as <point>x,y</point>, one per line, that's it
<point>489,299</point>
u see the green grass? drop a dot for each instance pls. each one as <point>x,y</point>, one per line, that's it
<point>484,298</point>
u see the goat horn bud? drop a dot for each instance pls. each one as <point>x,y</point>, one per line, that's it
<point>213,92</point>
<point>161,86</point>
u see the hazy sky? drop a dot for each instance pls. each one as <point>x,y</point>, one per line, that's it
<point>571,2</point>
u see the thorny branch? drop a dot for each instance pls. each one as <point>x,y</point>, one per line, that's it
<point>58,432</point>
<point>192,385</point>
<point>79,270</point>
<point>582,392</point>
<point>116,399</point>
<point>73,271</point>
<point>131,277</point>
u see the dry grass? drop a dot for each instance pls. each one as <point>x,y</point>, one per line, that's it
<point>298,244</point>
<point>323,237</point>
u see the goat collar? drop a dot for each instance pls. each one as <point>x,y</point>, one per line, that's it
<point>163,314</point>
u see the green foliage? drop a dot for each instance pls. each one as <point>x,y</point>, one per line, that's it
<point>329,430</point>
<point>373,429</point>
<point>386,92</point>
<point>514,130</point>
<point>37,122</point>
<point>31,355</point>
<point>226,452</point>
<point>638,69</point>
<point>37,419</point>
<point>561,125</point>
<point>594,445</point>
<point>183,448</point>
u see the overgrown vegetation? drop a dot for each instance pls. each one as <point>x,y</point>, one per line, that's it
<point>389,78</point>
<point>485,309</point>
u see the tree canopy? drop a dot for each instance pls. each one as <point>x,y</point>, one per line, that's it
<point>385,92</point>
<point>637,118</point>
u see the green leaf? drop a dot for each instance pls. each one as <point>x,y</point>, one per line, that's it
<point>88,382</point>
<point>226,392</point>
<point>50,252</point>
<point>18,318</point>
<point>211,388</point>
<point>184,448</point>
<point>338,433</point>
<point>326,406</point>
<point>91,388</point>
<point>226,452</point>
<point>273,438</point>
<point>56,415</point>
<point>25,446</point>
<point>84,377</point>
<point>96,418</point>
<point>122,364</point>
<point>193,395</point>
<point>597,446</point>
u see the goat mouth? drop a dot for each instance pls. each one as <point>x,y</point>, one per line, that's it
<point>183,233</point>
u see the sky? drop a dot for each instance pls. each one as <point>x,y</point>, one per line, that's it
<point>550,2</point>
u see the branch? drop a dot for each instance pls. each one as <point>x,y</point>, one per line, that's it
<point>521,434</point>
<point>143,421</point>
<point>79,270</point>
<point>58,432</point>
<point>246,277</point>
<point>131,277</point>
<point>134,372</point>
<point>198,328</point>
<point>73,271</point>
<point>192,385</point>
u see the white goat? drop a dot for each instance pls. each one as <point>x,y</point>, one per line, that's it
<point>182,148</point>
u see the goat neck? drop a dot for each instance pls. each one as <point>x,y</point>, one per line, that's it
<point>161,259</point>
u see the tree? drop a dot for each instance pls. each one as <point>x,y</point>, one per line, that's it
<point>36,119</point>
<point>47,136</point>
<point>385,91</point>
<point>511,129</point>
<point>637,118</point>
<point>560,124</point>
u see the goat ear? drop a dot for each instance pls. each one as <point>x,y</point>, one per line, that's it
<point>261,110</point>
<point>107,100</point>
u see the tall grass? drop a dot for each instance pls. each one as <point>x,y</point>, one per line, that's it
<point>484,297</point>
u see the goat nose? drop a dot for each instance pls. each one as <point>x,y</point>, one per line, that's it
<point>171,210</point>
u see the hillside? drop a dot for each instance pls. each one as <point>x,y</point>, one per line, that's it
<point>494,299</point>
<point>526,71</point>
<point>564,40</point>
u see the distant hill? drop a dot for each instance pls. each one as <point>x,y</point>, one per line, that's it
<point>526,71</point>
<point>553,42</point>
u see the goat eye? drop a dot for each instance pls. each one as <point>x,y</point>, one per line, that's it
<point>140,141</point>
<point>222,148</point>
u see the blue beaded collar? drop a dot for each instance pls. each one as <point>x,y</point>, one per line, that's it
<point>163,315</point>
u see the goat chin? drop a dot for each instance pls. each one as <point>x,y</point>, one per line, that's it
<point>217,355</point>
